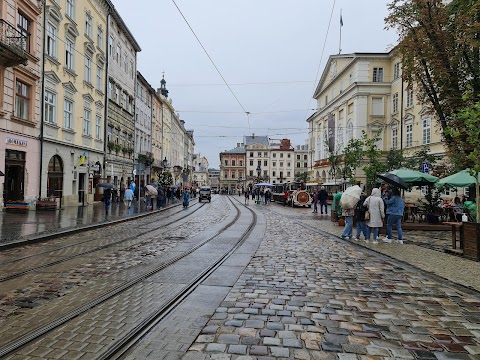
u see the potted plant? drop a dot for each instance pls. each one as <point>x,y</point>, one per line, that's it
<point>117,148</point>
<point>110,146</point>
<point>433,199</point>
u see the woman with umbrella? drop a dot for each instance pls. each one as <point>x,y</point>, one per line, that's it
<point>348,202</point>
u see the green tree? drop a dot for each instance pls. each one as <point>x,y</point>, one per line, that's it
<point>165,178</point>
<point>420,156</point>
<point>467,138</point>
<point>375,163</point>
<point>395,159</point>
<point>304,176</point>
<point>440,51</point>
<point>352,156</point>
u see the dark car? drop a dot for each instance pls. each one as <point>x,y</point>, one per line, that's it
<point>205,194</point>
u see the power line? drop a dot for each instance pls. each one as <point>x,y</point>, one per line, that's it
<point>239,112</point>
<point>213,63</point>
<point>252,83</point>
<point>321,56</point>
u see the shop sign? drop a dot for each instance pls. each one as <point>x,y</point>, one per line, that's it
<point>19,142</point>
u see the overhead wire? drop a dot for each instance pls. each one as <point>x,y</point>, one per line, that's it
<point>321,56</point>
<point>213,63</point>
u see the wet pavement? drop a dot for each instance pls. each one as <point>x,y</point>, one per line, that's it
<point>16,226</point>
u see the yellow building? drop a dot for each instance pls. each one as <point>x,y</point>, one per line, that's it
<point>365,92</point>
<point>74,98</point>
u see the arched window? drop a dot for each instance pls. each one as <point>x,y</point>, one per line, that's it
<point>55,176</point>
<point>349,131</point>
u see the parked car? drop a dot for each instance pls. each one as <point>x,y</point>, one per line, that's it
<point>205,193</point>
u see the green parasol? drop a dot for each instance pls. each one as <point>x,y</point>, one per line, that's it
<point>414,178</point>
<point>459,179</point>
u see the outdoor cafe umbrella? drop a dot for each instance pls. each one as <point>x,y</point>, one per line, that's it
<point>152,190</point>
<point>105,185</point>
<point>350,197</point>
<point>414,178</point>
<point>393,180</point>
<point>459,179</point>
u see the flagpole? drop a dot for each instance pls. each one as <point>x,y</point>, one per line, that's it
<point>341,25</point>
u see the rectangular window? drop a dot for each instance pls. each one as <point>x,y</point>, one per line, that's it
<point>68,114</point>
<point>125,101</point>
<point>274,154</point>
<point>377,106</point>
<point>50,99</point>
<point>409,100</point>
<point>241,162</point>
<point>377,74</point>
<point>408,135</point>
<point>251,154</point>
<point>251,162</point>
<point>233,162</point>
<point>119,55</point>
<point>110,46</point>
<point>99,78</point>
<point>396,71</point>
<point>395,103</point>
<point>265,163</point>
<point>226,162</point>
<point>394,138</point>
<point>117,94</point>
<point>274,164</point>
<point>251,172</point>
<point>110,90</point>
<point>87,119</point>
<point>298,164</point>
<point>23,26</point>
<point>71,8</point>
<point>22,100</point>
<point>100,38</point>
<point>69,52</point>
<point>98,127</point>
<point>52,41</point>
<point>88,26</point>
<point>88,69</point>
<point>132,73</point>
<point>281,155</point>
<point>426,131</point>
<point>125,62</point>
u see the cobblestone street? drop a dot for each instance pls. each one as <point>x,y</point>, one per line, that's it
<point>309,295</point>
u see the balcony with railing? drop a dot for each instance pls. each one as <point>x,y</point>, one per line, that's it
<point>12,45</point>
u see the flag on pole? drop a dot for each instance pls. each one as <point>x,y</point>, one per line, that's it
<point>341,20</point>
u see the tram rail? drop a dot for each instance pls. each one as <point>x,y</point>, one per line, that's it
<point>125,343</point>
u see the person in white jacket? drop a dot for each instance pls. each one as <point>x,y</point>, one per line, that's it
<point>376,208</point>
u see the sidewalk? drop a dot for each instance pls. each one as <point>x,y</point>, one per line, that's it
<point>23,226</point>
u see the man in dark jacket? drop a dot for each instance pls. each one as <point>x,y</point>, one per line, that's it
<point>322,199</point>
<point>107,195</point>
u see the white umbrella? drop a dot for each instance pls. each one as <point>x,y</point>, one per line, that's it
<point>350,197</point>
<point>152,190</point>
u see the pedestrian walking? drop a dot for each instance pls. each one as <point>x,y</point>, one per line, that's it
<point>395,208</point>
<point>133,187</point>
<point>128,196</point>
<point>376,209</point>
<point>107,195</point>
<point>360,211</point>
<point>159,197</point>
<point>315,201</point>
<point>186,198</point>
<point>267,195</point>
<point>386,194</point>
<point>348,230</point>
<point>148,199</point>
<point>169,195</point>
<point>322,198</point>
<point>285,198</point>
<point>247,197</point>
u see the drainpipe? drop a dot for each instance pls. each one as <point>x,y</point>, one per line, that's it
<point>42,105</point>
<point>105,141</point>
<point>401,115</point>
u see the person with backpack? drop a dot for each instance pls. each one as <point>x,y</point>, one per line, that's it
<point>360,216</point>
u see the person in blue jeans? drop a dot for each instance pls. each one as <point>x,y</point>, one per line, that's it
<point>395,208</point>
<point>347,232</point>
<point>360,218</point>
<point>322,199</point>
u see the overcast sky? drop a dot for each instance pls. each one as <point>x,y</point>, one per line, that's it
<point>268,51</point>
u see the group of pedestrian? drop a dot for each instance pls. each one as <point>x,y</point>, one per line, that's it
<point>262,195</point>
<point>383,207</point>
<point>320,197</point>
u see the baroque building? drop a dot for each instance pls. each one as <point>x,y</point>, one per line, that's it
<point>122,52</point>
<point>232,169</point>
<point>365,92</point>
<point>74,99</point>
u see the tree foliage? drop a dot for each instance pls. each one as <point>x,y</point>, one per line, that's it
<point>440,50</point>
<point>375,164</point>
<point>468,136</point>
<point>353,155</point>
<point>165,178</point>
<point>395,159</point>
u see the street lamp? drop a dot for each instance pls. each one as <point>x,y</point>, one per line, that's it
<point>165,163</point>
<point>259,171</point>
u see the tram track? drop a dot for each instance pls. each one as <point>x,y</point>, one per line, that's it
<point>90,251</point>
<point>123,344</point>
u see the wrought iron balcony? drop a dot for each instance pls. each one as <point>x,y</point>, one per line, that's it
<point>12,45</point>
